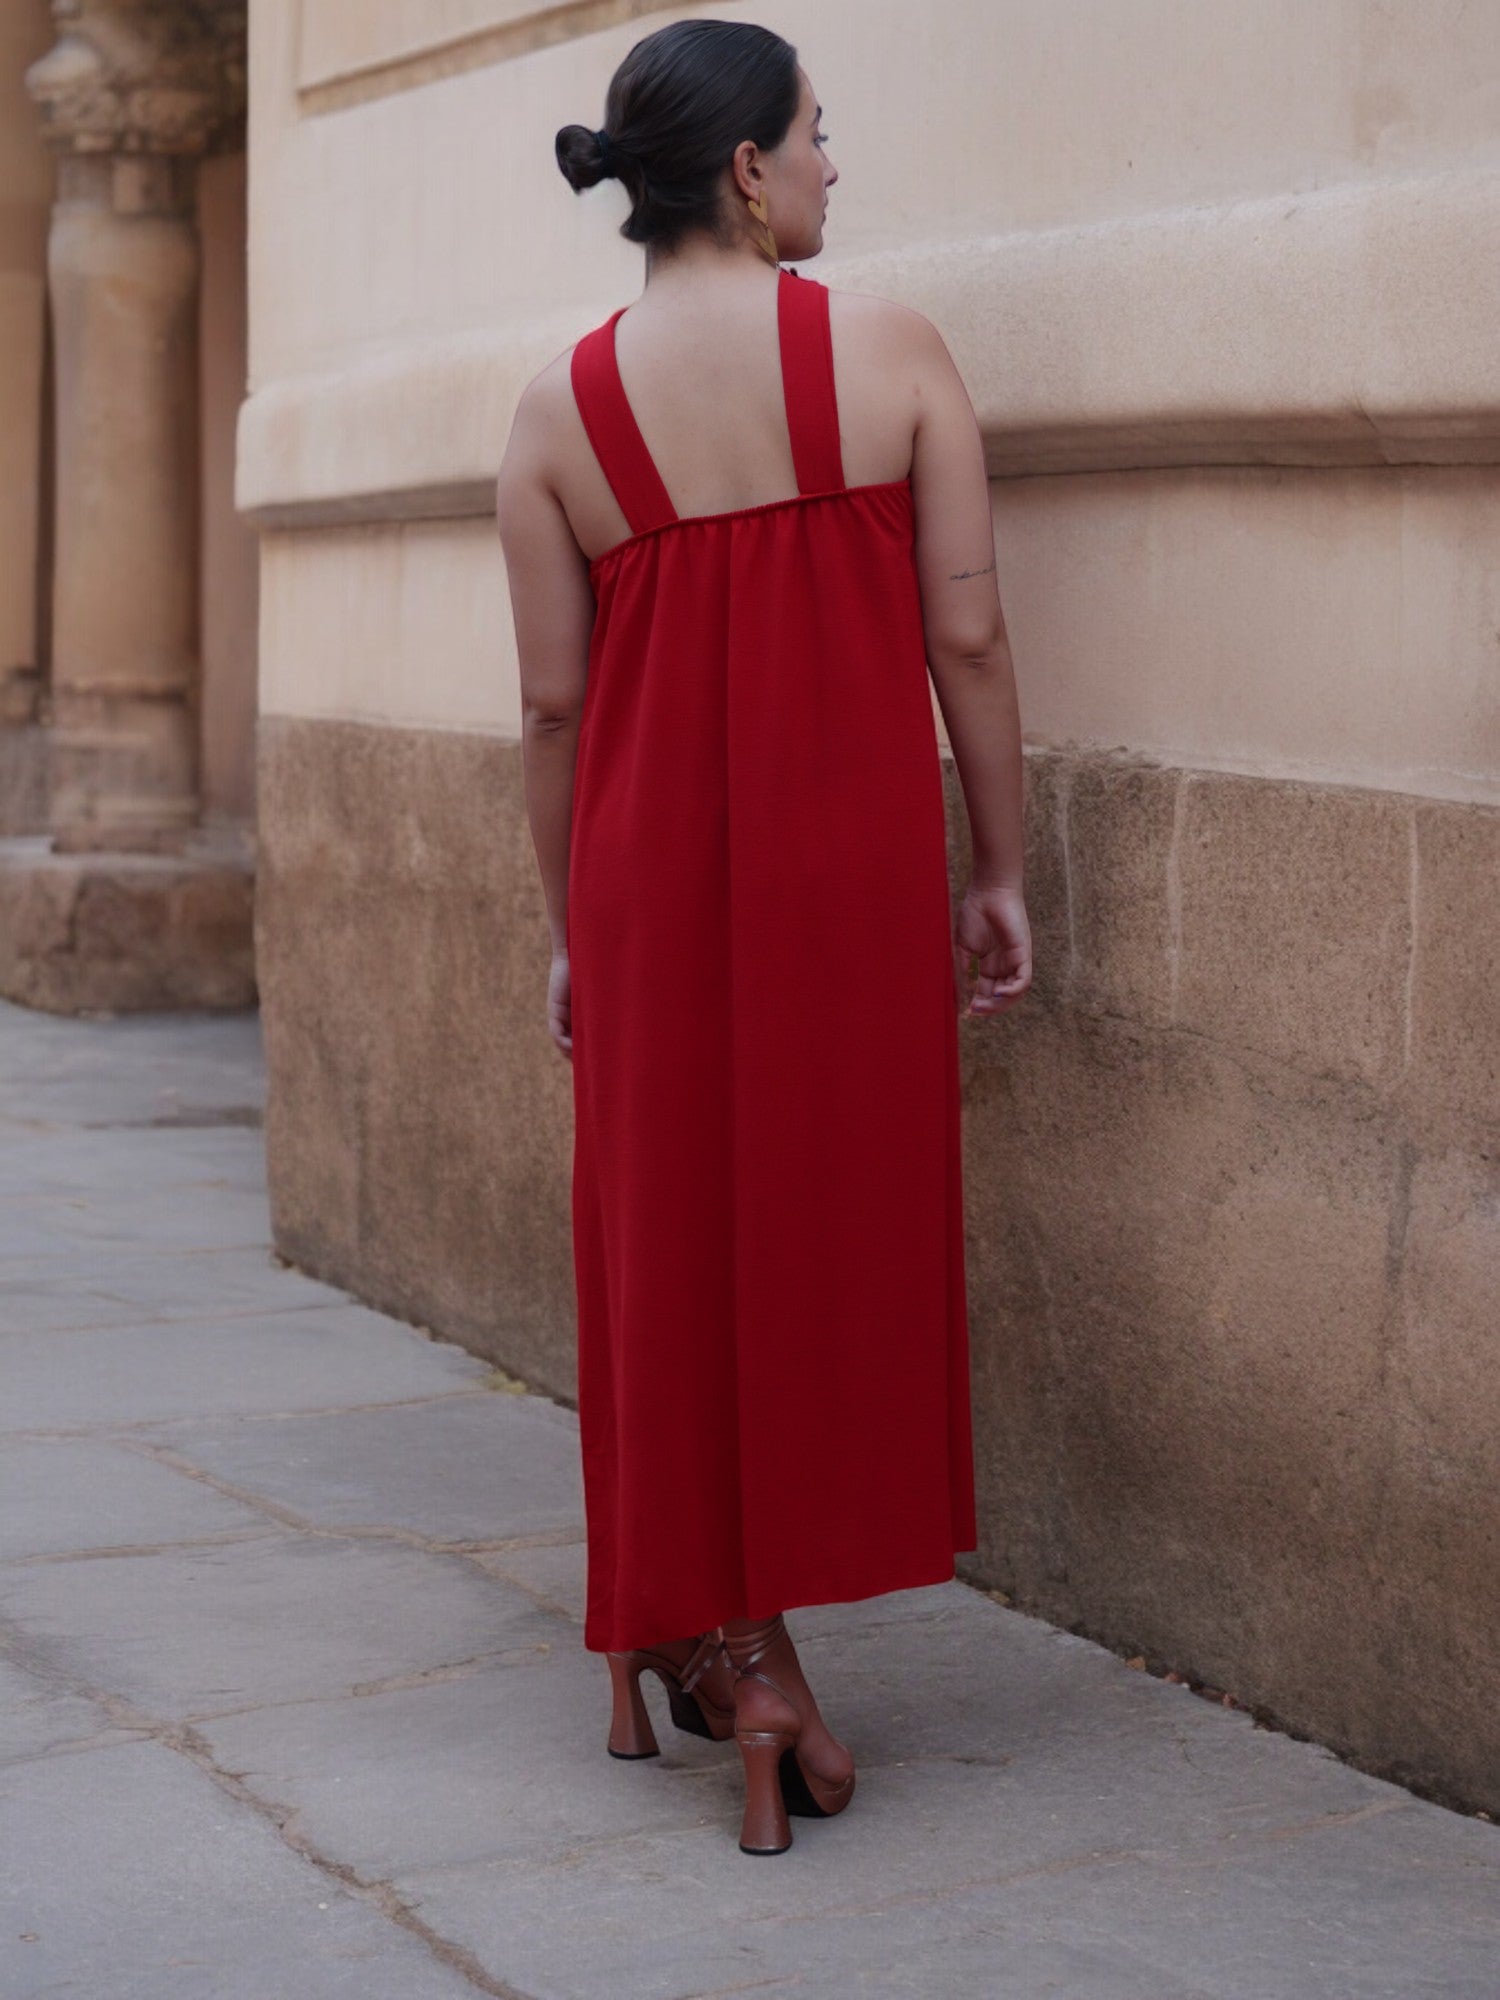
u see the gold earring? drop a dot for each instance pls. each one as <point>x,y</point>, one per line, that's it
<point>760,208</point>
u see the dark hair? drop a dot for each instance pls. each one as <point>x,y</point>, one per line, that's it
<point>675,110</point>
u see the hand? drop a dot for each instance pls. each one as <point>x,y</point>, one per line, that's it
<point>991,926</point>
<point>560,1004</point>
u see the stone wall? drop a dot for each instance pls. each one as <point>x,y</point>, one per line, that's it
<point>1232,1189</point>
<point>1222,287</point>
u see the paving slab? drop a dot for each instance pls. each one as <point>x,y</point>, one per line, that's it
<point>215,1218</point>
<point>293,1696</point>
<point>79,1166</point>
<point>38,1716</point>
<point>129,1874</point>
<point>1286,1914</point>
<point>998,1796</point>
<point>130,1073</point>
<point>279,1617</point>
<point>554,1575</point>
<point>323,1357</point>
<point>450,1470</point>
<point>69,1495</point>
<point>87,1290</point>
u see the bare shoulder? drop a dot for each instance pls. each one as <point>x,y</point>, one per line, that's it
<point>547,400</point>
<point>541,427</point>
<point>889,333</point>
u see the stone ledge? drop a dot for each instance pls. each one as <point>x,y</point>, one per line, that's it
<point>1351,326</point>
<point>131,933</point>
<point>353,55</point>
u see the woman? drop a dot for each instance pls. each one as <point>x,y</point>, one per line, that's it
<point>743,519</point>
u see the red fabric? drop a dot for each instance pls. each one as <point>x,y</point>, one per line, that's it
<point>773,1383</point>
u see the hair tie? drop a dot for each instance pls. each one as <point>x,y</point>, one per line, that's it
<point>606,151</point>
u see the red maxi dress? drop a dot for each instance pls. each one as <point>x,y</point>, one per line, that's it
<point>773,1378</point>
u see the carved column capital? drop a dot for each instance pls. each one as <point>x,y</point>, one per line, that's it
<point>141,76</point>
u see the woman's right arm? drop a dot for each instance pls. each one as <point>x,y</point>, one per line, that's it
<point>552,603</point>
<point>968,655</point>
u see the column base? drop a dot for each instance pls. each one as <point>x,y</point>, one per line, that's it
<point>128,933</point>
<point>23,778</point>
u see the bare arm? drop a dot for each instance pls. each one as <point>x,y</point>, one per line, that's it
<point>552,603</point>
<point>968,654</point>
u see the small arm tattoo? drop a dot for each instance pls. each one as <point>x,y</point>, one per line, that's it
<point>958,575</point>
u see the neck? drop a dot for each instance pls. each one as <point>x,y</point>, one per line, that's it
<point>701,262</point>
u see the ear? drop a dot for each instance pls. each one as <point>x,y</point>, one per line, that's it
<point>745,168</point>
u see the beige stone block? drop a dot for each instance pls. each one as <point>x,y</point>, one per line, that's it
<point>409,626</point>
<point>1454,1079</point>
<point>1296,922</point>
<point>1448,1305</point>
<point>1121,820</point>
<point>1333,626</point>
<point>1433,1592</point>
<point>1178,1282</point>
<point>24,766</point>
<point>339,41</point>
<point>1233,1376</point>
<point>119,932</point>
<point>419,1118</point>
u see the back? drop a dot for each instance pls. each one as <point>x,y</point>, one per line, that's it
<point>704,387</point>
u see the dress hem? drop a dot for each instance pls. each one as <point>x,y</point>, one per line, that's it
<point>926,1574</point>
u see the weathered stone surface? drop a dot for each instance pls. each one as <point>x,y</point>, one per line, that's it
<point>295,1358</point>
<point>1121,824</point>
<point>1296,922</point>
<point>1454,1085</point>
<point>151,76</point>
<point>64,1495</point>
<point>140,932</point>
<point>265,1619</point>
<point>23,776</point>
<point>190,1893</point>
<point>420,1132</point>
<point>426,1471</point>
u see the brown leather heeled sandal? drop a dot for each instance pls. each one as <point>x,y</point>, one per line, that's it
<point>700,1694</point>
<point>777,1782</point>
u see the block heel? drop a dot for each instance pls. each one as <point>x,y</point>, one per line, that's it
<point>700,1695</point>
<point>764,1829</point>
<point>778,1785</point>
<point>630,1731</point>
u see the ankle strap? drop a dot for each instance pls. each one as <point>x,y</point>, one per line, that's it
<point>760,1643</point>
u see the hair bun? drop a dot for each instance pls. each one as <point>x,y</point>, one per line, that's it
<point>585,155</point>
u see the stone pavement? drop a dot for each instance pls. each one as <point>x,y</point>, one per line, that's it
<point>295,1703</point>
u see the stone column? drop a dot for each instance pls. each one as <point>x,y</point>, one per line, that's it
<point>123,271</point>
<point>132,93</point>
<point>25,200</point>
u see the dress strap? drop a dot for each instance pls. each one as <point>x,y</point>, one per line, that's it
<point>807,383</point>
<point>614,432</point>
<point>812,411</point>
